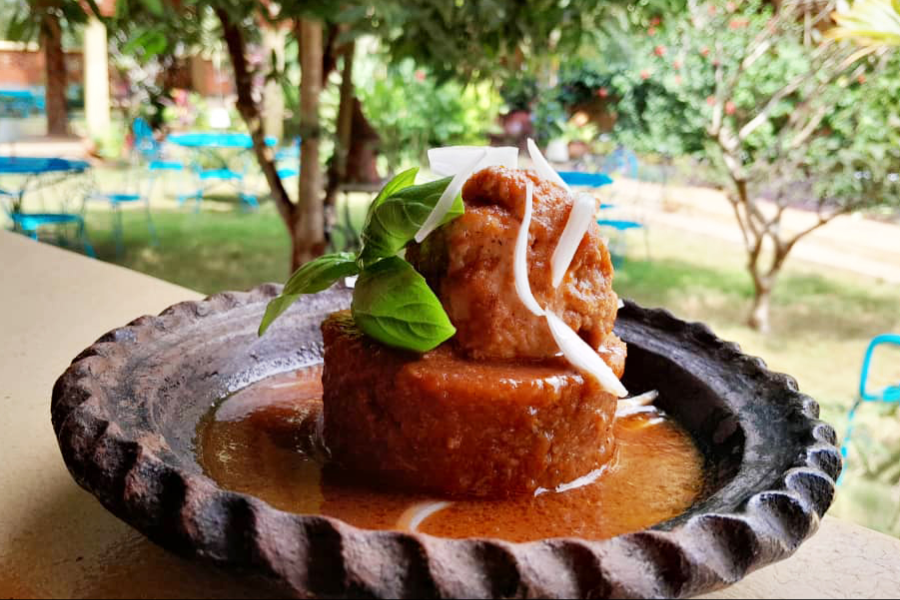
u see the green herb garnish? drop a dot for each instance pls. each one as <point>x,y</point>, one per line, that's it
<point>395,221</point>
<point>314,276</point>
<point>391,301</point>
<point>393,304</point>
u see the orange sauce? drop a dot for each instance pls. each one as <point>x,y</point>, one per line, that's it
<point>263,441</point>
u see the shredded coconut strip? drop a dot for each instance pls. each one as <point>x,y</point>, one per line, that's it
<point>445,202</point>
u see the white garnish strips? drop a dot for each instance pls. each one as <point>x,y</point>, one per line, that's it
<point>449,160</point>
<point>520,266</point>
<point>575,349</point>
<point>583,357</point>
<point>543,168</point>
<point>445,202</point>
<point>580,219</point>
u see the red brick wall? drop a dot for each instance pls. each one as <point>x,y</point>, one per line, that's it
<point>208,81</point>
<point>25,68</point>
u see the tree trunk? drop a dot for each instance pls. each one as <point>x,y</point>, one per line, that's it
<point>759,315</point>
<point>55,75</point>
<point>309,220</point>
<point>337,171</point>
<point>361,164</point>
<point>249,110</point>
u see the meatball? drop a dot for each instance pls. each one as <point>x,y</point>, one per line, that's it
<point>442,424</point>
<point>469,264</point>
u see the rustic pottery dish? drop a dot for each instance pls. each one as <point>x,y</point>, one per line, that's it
<point>126,411</point>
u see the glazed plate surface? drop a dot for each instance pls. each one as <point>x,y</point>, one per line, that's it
<point>126,412</point>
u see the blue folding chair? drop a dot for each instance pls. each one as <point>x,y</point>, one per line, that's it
<point>131,191</point>
<point>291,155</point>
<point>150,151</point>
<point>624,162</point>
<point>145,144</point>
<point>31,223</point>
<point>889,395</point>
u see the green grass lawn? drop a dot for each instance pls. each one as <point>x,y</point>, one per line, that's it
<point>822,320</point>
<point>207,251</point>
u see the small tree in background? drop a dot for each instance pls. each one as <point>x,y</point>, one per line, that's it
<point>787,118</point>
<point>47,21</point>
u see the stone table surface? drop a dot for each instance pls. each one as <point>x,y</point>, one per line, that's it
<point>57,541</point>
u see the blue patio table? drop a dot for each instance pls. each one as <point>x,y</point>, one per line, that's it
<point>584,179</point>
<point>208,143</point>
<point>33,173</point>
<point>21,101</point>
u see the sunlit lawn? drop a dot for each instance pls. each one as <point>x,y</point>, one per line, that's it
<point>822,320</point>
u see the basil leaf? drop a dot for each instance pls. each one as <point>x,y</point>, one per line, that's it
<point>399,182</point>
<point>314,276</point>
<point>396,219</point>
<point>393,304</point>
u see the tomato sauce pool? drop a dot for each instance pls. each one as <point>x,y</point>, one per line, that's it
<point>263,441</point>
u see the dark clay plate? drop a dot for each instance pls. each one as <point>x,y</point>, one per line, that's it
<point>126,411</point>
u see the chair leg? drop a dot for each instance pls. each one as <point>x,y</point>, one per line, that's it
<point>845,445</point>
<point>151,226</point>
<point>118,230</point>
<point>85,242</point>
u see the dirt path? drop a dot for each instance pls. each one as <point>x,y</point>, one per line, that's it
<point>850,243</point>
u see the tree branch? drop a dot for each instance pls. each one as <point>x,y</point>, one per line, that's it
<point>822,220</point>
<point>249,111</point>
<point>763,115</point>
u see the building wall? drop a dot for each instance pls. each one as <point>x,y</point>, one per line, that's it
<point>23,66</point>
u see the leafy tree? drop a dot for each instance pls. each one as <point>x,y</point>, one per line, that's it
<point>786,118</point>
<point>48,21</point>
<point>412,112</point>
<point>498,36</point>
<point>159,26</point>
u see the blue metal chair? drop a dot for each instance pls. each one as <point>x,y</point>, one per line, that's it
<point>144,143</point>
<point>624,162</point>
<point>889,395</point>
<point>31,223</point>
<point>208,143</point>
<point>132,191</point>
<point>149,150</point>
<point>291,155</point>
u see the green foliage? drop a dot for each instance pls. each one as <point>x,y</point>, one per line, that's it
<point>24,19</point>
<point>861,150</point>
<point>581,80</point>
<point>393,304</point>
<point>391,301</point>
<point>412,111</point>
<point>519,91</point>
<point>396,220</point>
<point>668,94</point>
<point>483,39</point>
<point>549,119</point>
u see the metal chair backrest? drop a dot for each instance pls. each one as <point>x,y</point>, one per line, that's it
<point>624,161</point>
<point>889,394</point>
<point>144,142</point>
